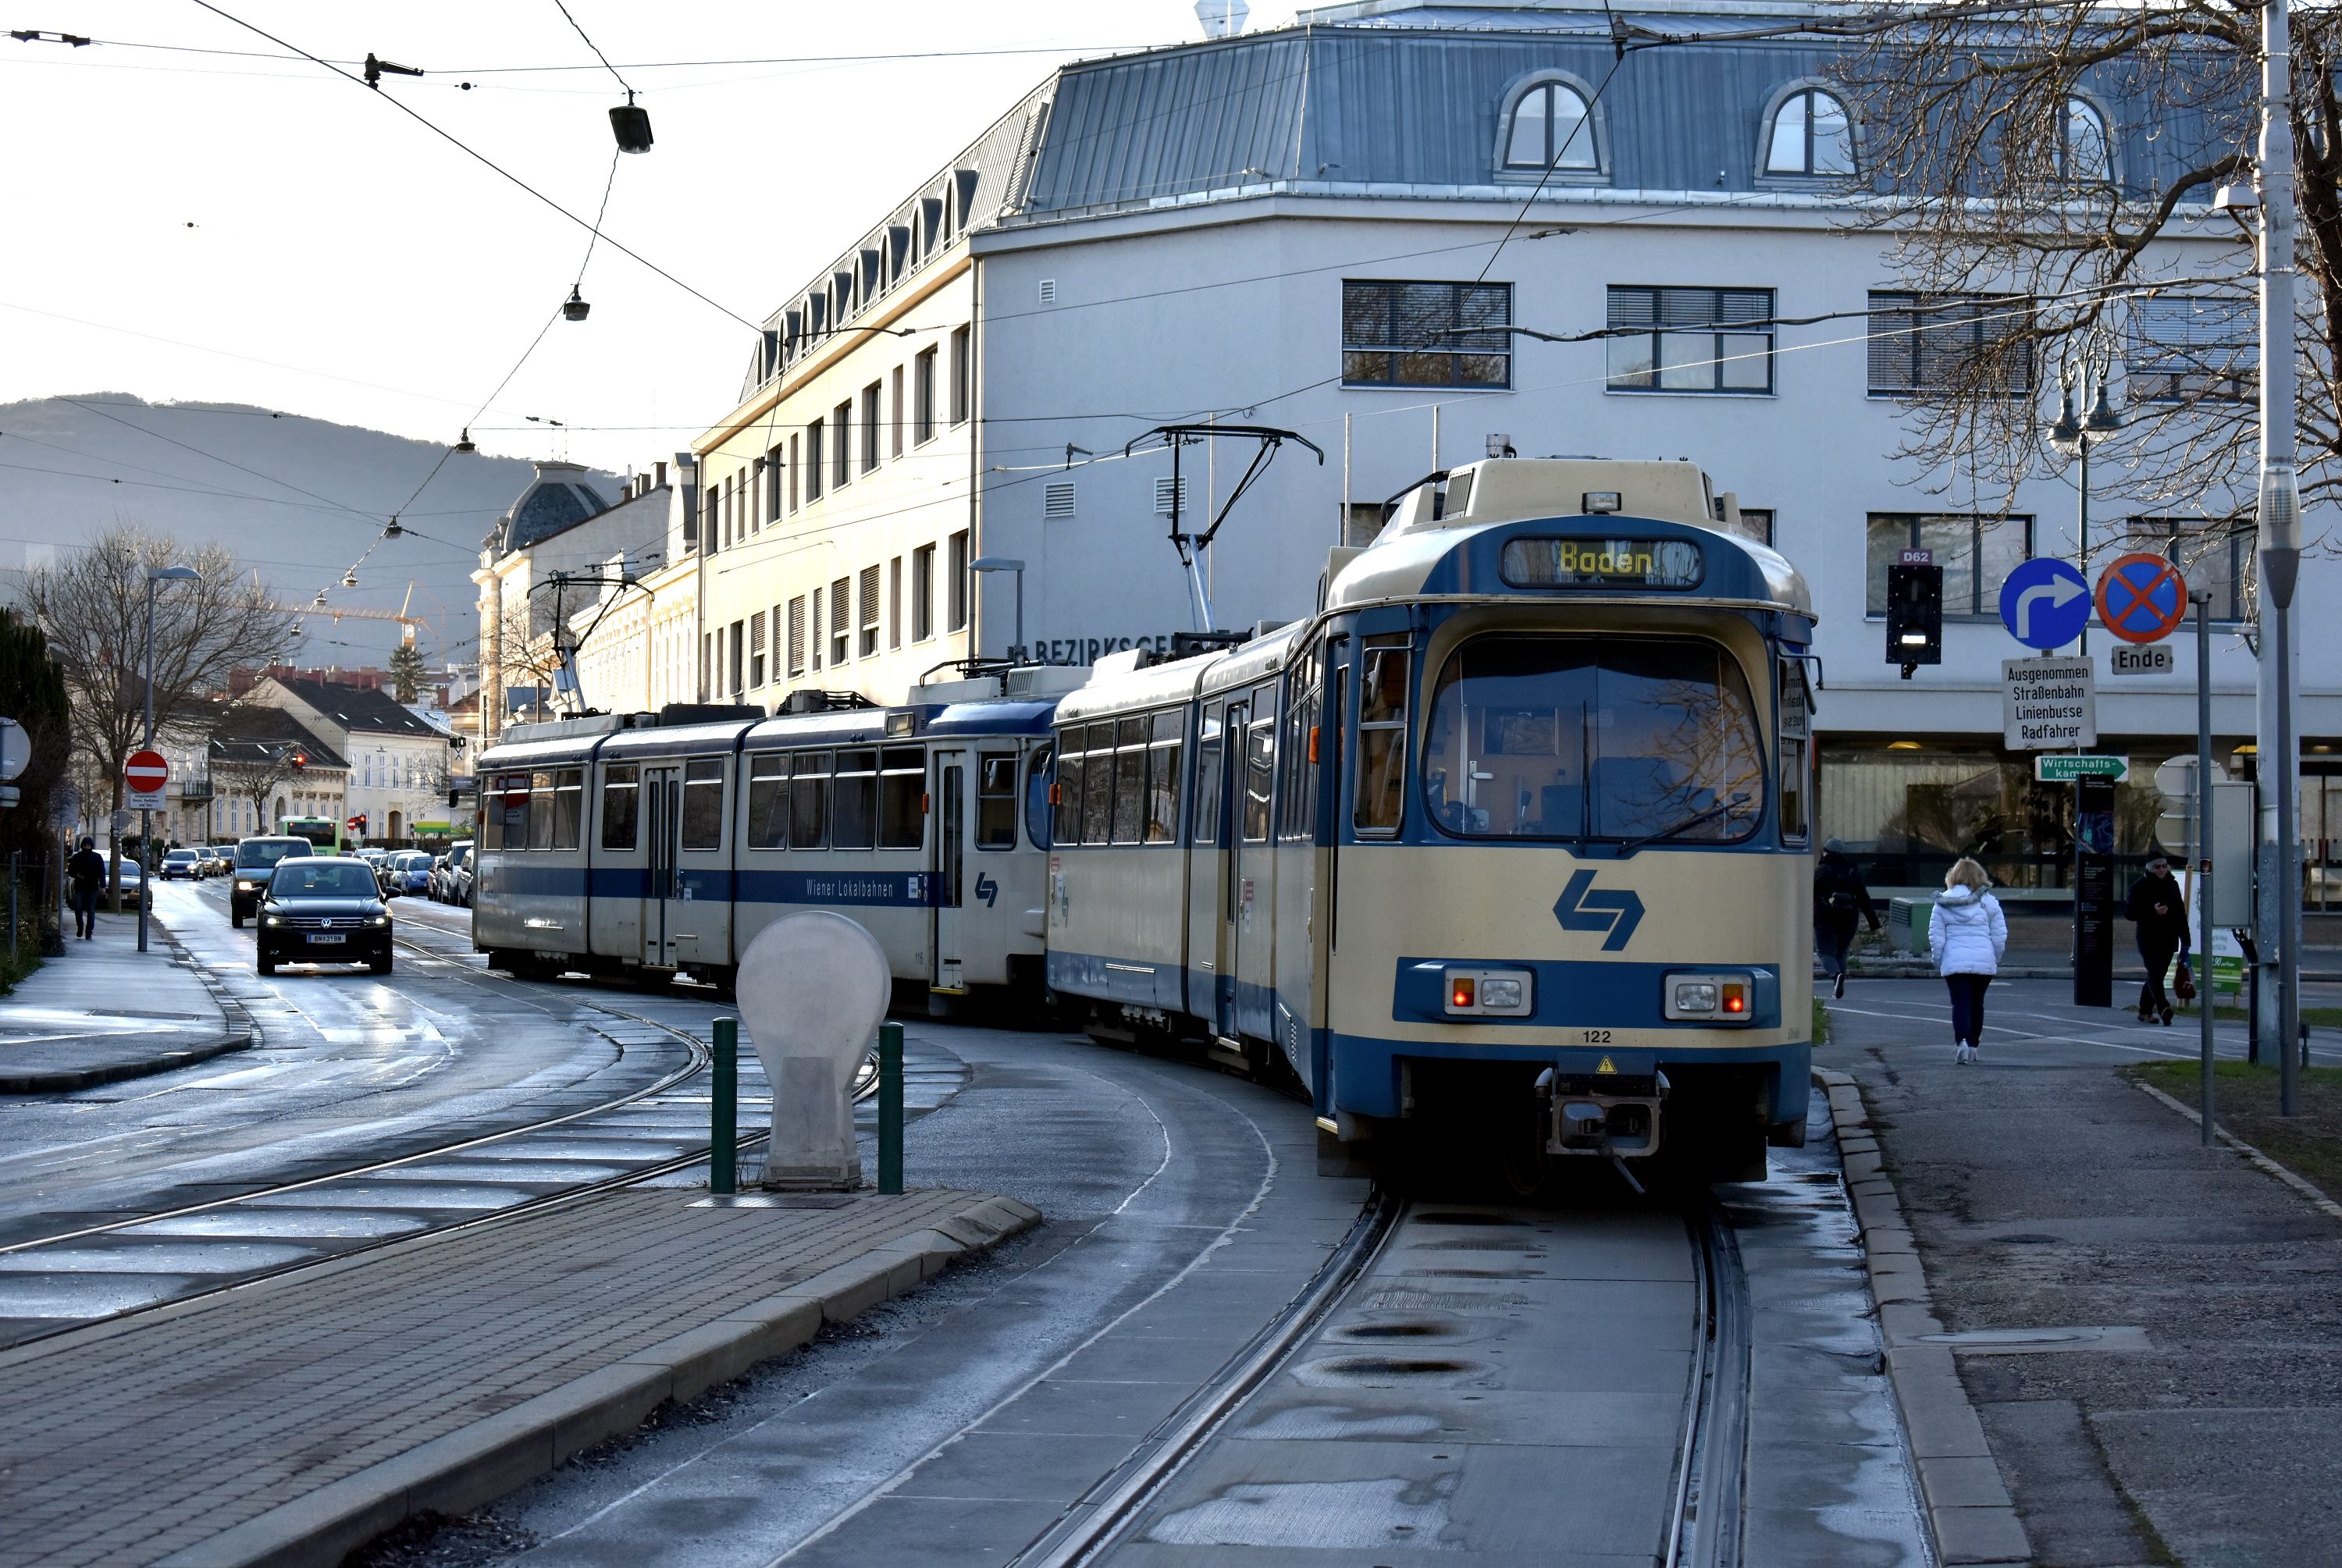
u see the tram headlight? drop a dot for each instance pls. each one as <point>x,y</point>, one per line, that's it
<point>1478,992</point>
<point>1709,998</point>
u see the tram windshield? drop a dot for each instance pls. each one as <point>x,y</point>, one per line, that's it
<point>1662,730</point>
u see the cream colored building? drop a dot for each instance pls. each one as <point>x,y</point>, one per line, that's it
<point>637,639</point>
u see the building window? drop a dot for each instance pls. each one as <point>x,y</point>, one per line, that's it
<point>815,435</point>
<point>739,658</point>
<point>869,427</point>
<point>756,650</point>
<point>2188,348</point>
<point>2085,156</point>
<point>841,619</point>
<point>794,452</point>
<point>773,485</point>
<point>923,593</point>
<point>1757,522</point>
<point>841,457</point>
<point>867,593</point>
<point>2213,554</point>
<point>1551,128</point>
<point>1921,344</point>
<point>1426,334</point>
<point>707,501</point>
<point>923,398</point>
<point>963,345</point>
<point>895,603</point>
<point>1811,136</point>
<point>817,629</point>
<point>955,590</point>
<point>1976,553</point>
<point>1058,501</point>
<point>1691,340</point>
<point>894,408</point>
<point>751,517</point>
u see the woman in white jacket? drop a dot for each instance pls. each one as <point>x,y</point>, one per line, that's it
<point>1968,935</point>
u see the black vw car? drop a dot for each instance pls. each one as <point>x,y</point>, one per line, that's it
<point>324,909</point>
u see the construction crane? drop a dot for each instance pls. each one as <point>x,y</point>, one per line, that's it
<point>319,606</point>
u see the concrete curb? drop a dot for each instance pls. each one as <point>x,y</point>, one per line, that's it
<point>468,1469</point>
<point>2302,1184</point>
<point>1970,1512</point>
<point>239,1032</point>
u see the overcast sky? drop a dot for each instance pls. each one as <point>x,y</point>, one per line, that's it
<point>371,273</point>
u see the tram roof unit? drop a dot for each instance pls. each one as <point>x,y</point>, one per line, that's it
<point>1428,547</point>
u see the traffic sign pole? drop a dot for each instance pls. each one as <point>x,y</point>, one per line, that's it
<point>2203,597</point>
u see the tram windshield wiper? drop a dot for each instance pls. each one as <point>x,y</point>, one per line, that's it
<point>1734,803</point>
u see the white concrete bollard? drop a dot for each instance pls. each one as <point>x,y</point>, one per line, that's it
<point>813,989</point>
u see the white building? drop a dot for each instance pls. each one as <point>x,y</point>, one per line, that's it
<point>1331,228</point>
<point>397,764</point>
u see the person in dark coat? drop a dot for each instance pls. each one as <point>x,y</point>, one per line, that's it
<point>1839,901</point>
<point>87,870</point>
<point>2156,907</point>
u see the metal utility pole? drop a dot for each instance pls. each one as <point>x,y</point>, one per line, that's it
<point>2280,543</point>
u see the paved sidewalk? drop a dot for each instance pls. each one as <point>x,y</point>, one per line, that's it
<point>293,1419</point>
<point>2196,1414</point>
<point>106,1012</point>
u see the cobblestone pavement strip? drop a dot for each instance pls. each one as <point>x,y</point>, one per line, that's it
<point>290,1420</point>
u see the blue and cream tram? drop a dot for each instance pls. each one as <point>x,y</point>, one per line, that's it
<point>1511,837</point>
<point>628,845</point>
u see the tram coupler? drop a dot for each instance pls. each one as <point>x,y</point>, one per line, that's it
<point>1606,1116</point>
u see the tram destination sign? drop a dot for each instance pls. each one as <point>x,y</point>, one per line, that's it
<point>2048,704</point>
<point>2066,769</point>
<point>1601,564</point>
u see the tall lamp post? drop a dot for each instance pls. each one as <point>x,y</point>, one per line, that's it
<point>1003,564</point>
<point>2085,383</point>
<point>154,574</point>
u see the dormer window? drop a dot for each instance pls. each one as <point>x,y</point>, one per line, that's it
<point>1551,128</point>
<point>1812,135</point>
<point>2084,155</point>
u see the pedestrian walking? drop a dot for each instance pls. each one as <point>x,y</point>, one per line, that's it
<point>1968,933</point>
<point>87,871</point>
<point>2158,909</point>
<point>1839,901</point>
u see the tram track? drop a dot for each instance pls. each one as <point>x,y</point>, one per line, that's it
<point>1703,1510</point>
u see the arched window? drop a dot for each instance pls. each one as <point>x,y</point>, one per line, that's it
<point>1551,129</point>
<point>2084,153</point>
<point>1811,136</point>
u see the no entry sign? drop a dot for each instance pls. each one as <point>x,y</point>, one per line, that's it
<point>146,773</point>
<point>2142,598</point>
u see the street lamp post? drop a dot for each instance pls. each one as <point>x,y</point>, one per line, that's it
<point>146,850</point>
<point>1003,564</point>
<point>2085,383</point>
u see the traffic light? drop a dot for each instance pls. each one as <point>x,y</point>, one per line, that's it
<point>299,760</point>
<point>1914,616</point>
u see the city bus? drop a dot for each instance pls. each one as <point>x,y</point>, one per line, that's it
<point>322,831</point>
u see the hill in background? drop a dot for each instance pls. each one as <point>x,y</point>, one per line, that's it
<point>297,499</point>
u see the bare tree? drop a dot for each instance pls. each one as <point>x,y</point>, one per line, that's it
<point>92,609</point>
<point>2035,168</point>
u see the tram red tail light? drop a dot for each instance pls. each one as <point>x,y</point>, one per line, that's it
<point>1736,999</point>
<point>1463,992</point>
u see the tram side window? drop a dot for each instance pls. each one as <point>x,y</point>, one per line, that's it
<point>621,801</point>
<point>1297,815</point>
<point>1207,775</point>
<point>1162,778</point>
<point>1130,782</point>
<point>1382,741</point>
<point>809,800</point>
<point>996,801</point>
<point>1072,763</point>
<point>1260,769</point>
<point>702,804</point>
<point>768,802</point>
<point>1098,785</point>
<point>540,809</point>
<point>569,808</point>
<point>1037,779</point>
<point>903,796</point>
<point>1797,751</point>
<point>853,801</point>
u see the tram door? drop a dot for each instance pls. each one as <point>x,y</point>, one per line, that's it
<point>1230,808</point>
<point>948,786</point>
<point>662,813</point>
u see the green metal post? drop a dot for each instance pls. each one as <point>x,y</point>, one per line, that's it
<point>724,1111</point>
<point>890,1107</point>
